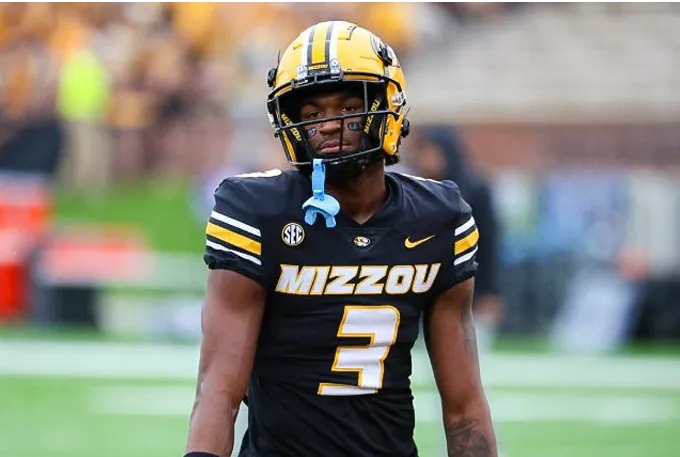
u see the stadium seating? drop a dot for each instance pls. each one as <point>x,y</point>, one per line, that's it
<point>555,63</point>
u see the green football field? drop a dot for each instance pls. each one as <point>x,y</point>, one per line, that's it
<point>65,398</point>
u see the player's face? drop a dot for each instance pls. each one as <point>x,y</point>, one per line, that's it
<point>326,136</point>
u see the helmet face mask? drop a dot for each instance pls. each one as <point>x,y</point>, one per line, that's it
<point>362,67</point>
<point>368,122</point>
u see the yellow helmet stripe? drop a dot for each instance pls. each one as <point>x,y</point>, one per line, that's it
<point>318,43</point>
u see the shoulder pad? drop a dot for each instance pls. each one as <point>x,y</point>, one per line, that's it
<point>266,191</point>
<point>434,197</point>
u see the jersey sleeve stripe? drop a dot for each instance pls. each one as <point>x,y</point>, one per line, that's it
<point>219,247</point>
<point>466,243</point>
<point>234,239</point>
<point>461,229</point>
<point>233,222</point>
<point>466,257</point>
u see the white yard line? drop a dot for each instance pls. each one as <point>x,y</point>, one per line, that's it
<point>557,370</point>
<point>135,400</point>
<point>522,407</point>
<point>106,360</point>
<point>578,407</point>
<point>127,363</point>
<point>151,401</point>
<point>98,360</point>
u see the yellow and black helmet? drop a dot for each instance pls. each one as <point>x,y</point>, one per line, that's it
<point>339,53</point>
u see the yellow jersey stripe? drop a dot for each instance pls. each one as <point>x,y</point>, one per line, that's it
<point>319,43</point>
<point>219,247</point>
<point>466,243</point>
<point>234,239</point>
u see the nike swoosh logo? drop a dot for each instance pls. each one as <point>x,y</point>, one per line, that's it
<point>411,244</point>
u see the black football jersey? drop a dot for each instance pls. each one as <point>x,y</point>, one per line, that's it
<point>331,374</point>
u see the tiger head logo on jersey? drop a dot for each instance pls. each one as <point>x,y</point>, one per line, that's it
<point>338,57</point>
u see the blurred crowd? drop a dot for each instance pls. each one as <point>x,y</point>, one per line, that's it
<point>123,90</point>
<point>97,93</point>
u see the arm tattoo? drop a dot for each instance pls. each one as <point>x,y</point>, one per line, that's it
<point>464,441</point>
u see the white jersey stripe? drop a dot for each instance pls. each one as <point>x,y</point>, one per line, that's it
<point>465,226</point>
<point>233,222</point>
<point>219,247</point>
<point>465,257</point>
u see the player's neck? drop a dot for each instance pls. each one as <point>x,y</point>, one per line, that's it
<point>361,197</point>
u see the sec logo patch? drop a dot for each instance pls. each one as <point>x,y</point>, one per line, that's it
<point>293,234</point>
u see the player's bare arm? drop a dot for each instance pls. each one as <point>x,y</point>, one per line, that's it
<point>452,346</point>
<point>231,319</point>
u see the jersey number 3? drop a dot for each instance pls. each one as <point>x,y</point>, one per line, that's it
<point>378,323</point>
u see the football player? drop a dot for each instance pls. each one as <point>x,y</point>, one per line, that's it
<point>319,275</point>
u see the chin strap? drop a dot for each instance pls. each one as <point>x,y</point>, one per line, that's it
<point>319,202</point>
